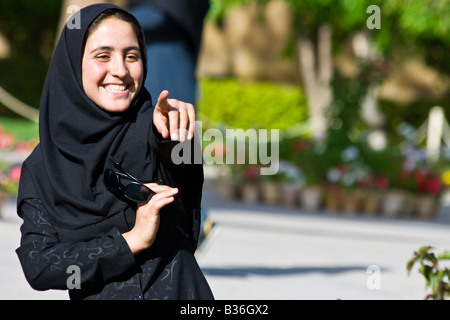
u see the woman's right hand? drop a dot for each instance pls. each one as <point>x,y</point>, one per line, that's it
<point>144,231</point>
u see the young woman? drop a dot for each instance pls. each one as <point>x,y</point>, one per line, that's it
<point>106,214</point>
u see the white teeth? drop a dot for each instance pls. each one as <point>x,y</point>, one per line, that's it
<point>115,88</point>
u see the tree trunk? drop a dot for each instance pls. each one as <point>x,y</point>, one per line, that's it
<point>316,69</point>
<point>364,50</point>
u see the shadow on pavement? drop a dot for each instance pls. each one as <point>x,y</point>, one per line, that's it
<point>277,271</point>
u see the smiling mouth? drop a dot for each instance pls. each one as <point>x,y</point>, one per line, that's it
<point>115,88</point>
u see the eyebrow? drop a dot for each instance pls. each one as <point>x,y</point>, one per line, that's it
<point>108,48</point>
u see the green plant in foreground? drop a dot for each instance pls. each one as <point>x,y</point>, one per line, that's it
<point>437,277</point>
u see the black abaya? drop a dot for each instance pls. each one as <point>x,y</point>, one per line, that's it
<point>71,219</point>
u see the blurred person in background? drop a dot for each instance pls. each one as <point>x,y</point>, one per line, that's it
<point>173,32</point>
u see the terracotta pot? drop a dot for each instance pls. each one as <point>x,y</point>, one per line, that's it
<point>250,193</point>
<point>288,195</point>
<point>333,199</point>
<point>409,205</point>
<point>351,201</point>
<point>227,188</point>
<point>393,203</point>
<point>426,206</point>
<point>270,192</point>
<point>311,198</point>
<point>370,202</point>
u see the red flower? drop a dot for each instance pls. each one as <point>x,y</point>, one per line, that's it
<point>6,141</point>
<point>432,186</point>
<point>298,145</point>
<point>252,172</point>
<point>381,183</point>
<point>14,173</point>
<point>421,175</point>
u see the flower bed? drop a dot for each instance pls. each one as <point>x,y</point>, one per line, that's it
<point>12,153</point>
<point>399,182</point>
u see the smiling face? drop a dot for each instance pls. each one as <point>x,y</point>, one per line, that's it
<point>112,66</point>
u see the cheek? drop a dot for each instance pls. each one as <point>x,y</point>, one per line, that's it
<point>137,73</point>
<point>92,74</point>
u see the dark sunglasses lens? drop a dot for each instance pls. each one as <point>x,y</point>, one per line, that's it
<point>111,180</point>
<point>138,192</point>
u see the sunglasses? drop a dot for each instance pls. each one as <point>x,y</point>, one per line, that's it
<point>135,190</point>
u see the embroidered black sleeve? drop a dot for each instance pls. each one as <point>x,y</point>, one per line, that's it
<point>48,263</point>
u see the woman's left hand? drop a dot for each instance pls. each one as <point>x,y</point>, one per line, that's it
<point>173,117</point>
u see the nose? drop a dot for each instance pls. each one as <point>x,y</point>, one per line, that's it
<point>118,67</point>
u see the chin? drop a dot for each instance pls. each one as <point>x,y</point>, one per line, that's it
<point>115,107</point>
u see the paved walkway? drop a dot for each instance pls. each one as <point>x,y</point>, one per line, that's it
<point>261,252</point>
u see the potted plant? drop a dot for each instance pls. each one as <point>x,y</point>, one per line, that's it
<point>437,276</point>
<point>270,188</point>
<point>249,181</point>
<point>346,181</point>
<point>291,181</point>
<point>419,184</point>
<point>387,183</point>
<point>372,191</point>
<point>307,159</point>
<point>227,181</point>
<point>429,188</point>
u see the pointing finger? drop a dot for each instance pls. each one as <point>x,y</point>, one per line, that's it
<point>162,99</point>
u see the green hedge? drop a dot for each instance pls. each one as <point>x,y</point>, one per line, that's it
<point>22,129</point>
<point>242,104</point>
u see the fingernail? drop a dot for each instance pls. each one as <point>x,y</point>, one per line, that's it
<point>174,136</point>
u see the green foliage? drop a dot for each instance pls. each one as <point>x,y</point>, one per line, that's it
<point>421,17</point>
<point>241,104</point>
<point>23,77</point>
<point>421,25</point>
<point>424,26</point>
<point>219,8</point>
<point>437,277</point>
<point>345,123</point>
<point>413,113</point>
<point>29,24</point>
<point>30,27</point>
<point>308,157</point>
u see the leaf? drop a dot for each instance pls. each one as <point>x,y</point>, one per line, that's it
<point>426,271</point>
<point>424,250</point>
<point>447,271</point>
<point>434,281</point>
<point>444,255</point>
<point>410,264</point>
<point>432,258</point>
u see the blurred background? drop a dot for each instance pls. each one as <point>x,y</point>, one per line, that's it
<point>352,86</point>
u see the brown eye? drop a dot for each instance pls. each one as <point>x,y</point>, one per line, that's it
<point>132,57</point>
<point>102,57</point>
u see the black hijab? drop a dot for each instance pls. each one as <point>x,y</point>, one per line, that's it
<point>78,139</point>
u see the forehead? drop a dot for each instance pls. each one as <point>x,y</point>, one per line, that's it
<point>112,31</point>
